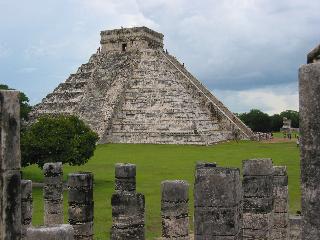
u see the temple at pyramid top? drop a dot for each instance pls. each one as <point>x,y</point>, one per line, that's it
<point>132,91</point>
<point>128,39</point>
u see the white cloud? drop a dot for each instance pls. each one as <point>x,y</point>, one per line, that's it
<point>271,100</point>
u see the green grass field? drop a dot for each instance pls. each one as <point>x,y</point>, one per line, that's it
<point>156,163</point>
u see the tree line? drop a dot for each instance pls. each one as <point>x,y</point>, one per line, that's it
<point>259,121</point>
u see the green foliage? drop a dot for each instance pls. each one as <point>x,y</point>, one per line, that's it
<point>25,108</point>
<point>276,123</point>
<point>259,121</point>
<point>63,139</point>
<point>156,163</point>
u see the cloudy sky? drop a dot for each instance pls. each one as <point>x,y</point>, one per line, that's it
<point>246,52</point>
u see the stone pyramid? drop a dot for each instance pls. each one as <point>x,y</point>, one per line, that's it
<point>132,91</point>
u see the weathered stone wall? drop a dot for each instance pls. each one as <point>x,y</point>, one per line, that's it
<point>257,198</point>
<point>217,203</point>
<point>309,98</point>
<point>10,179</point>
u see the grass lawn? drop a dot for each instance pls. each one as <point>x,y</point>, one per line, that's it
<point>156,163</point>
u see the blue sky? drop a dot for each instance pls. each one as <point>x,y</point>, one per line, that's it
<point>246,52</point>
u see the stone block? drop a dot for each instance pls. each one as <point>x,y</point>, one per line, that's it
<point>26,212</point>
<point>127,203</point>
<point>280,180</point>
<point>217,221</point>
<point>54,180</point>
<point>53,213</point>
<point>280,234</point>
<point>257,167</point>
<point>280,170</point>
<point>257,186</point>
<point>295,229</point>
<point>52,207</point>
<point>280,220</point>
<point>216,186</point>
<point>80,196</point>
<point>280,192</point>
<point>64,232</point>
<point>125,170</point>
<point>169,209</point>
<point>175,191</point>
<point>80,180</point>
<point>125,184</point>
<point>257,221</point>
<point>52,169</point>
<point>258,205</point>
<point>80,213</point>
<point>130,233</point>
<point>173,227</point>
<point>26,189</point>
<point>280,205</point>
<point>53,192</point>
<point>83,229</point>
<point>261,234</point>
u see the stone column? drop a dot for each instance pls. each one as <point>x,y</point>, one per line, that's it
<point>80,210</point>
<point>309,113</point>
<point>63,232</point>
<point>295,223</point>
<point>127,205</point>
<point>10,179</point>
<point>257,199</point>
<point>280,229</point>
<point>174,209</point>
<point>53,194</point>
<point>217,203</point>
<point>26,206</point>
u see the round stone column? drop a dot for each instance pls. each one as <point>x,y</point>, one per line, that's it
<point>80,186</point>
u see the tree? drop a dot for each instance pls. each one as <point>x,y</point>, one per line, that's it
<point>63,139</point>
<point>257,120</point>
<point>25,108</point>
<point>276,122</point>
